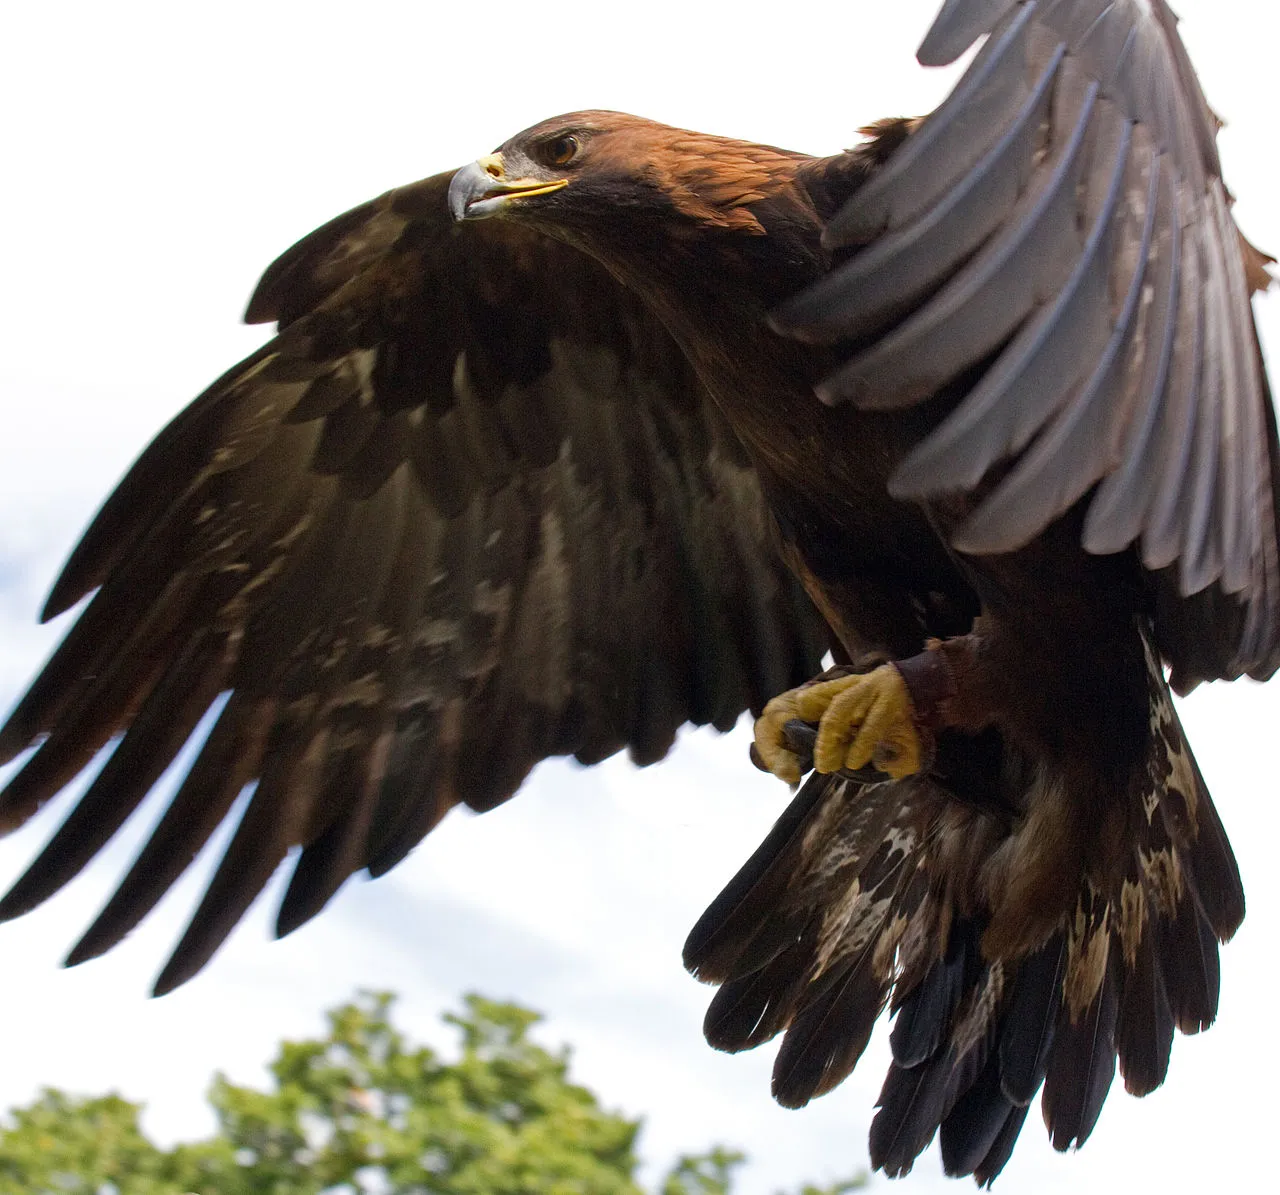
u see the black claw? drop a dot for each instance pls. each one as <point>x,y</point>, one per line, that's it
<point>799,738</point>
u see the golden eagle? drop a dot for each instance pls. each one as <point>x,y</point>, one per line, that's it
<point>977,406</point>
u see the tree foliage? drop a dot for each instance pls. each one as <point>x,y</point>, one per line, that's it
<point>362,1111</point>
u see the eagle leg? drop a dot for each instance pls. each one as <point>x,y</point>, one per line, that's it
<point>866,718</point>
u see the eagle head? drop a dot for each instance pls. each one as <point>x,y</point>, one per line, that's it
<point>603,167</point>
<point>524,176</point>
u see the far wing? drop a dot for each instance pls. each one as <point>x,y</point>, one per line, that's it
<point>469,509</point>
<point>1056,241</point>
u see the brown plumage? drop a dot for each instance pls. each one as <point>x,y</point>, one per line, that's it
<point>433,533</point>
<point>559,482</point>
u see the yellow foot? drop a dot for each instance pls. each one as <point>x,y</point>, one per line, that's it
<point>862,719</point>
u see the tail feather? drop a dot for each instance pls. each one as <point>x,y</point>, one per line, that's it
<point>971,1129</point>
<point>755,1008</point>
<point>879,895</point>
<point>1001,1150</point>
<point>722,933</point>
<point>1081,1067</point>
<point>916,1100</point>
<point>1214,875</point>
<point>1144,1031</point>
<point>826,1040</point>
<point>1031,1021</point>
<point>1188,940</point>
<point>908,1116</point>
<point>924,1015</point>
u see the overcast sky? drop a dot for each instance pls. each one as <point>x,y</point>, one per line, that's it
<point>155,158</point>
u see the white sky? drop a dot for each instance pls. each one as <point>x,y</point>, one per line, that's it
<point>155,158</point>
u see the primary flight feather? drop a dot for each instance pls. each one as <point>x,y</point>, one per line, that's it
<point>625,426</point>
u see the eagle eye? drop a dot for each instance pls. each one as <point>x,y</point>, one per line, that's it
<point>560,151</point>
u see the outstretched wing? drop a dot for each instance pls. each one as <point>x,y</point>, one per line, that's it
<point>1056,242</point>
<point>469,509</point>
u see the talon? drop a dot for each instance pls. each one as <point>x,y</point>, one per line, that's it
<point>863,719</point>
<point>770,745</point>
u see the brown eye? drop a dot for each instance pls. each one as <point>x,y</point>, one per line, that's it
<point>561,151</point>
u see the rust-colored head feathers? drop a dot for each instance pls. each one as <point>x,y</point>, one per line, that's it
<point>714,180</point>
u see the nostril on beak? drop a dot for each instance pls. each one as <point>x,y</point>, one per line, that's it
<point>492,165</point>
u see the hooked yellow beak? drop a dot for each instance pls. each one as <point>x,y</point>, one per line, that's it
<point>482,189</point>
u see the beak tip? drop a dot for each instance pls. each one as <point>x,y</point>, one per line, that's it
<point>467,184</point>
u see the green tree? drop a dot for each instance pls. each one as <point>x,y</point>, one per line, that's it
<point>362,1111</point>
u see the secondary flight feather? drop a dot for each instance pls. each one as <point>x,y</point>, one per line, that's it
<point>625,426</point>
